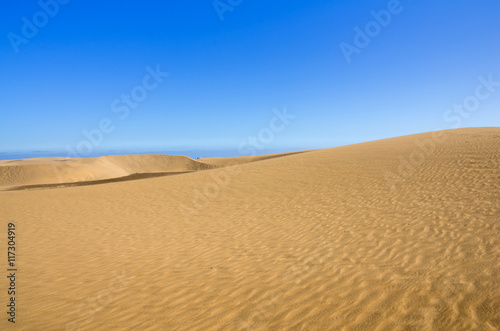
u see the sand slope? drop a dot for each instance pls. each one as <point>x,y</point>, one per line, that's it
<point>396,234</point>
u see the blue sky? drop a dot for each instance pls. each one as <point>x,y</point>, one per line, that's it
<point>226,76</point>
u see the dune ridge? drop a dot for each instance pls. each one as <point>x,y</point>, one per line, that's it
<point>321,240</point>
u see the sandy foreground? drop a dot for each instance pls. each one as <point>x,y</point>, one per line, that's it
<point>395,234</point>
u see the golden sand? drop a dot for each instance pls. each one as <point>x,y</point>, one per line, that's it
<point>395,234</point>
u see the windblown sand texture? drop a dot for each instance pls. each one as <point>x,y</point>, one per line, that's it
<point>348,238</point>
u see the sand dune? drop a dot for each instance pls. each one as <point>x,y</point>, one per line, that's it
<point>395,234</point>
<point>72,170</point>
<point>46,172</point>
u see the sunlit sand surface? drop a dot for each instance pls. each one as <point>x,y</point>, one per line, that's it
<point>395,234</point>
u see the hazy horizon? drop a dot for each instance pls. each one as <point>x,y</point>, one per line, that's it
<point>192,153</point>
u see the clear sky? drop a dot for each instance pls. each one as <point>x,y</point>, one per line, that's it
<point>71,67</point>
